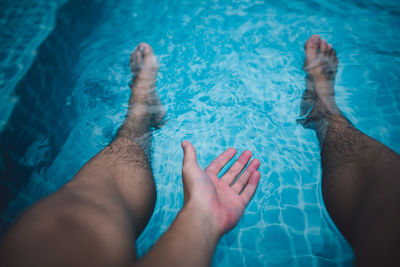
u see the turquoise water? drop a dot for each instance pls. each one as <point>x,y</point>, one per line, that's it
<point>230,76</point>
<point>24,26</point>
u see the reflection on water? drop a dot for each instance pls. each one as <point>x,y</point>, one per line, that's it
<point>230,75</point>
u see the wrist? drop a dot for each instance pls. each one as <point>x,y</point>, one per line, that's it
<point>206,220</point>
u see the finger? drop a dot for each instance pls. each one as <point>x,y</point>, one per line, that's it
<point>189,155</point>
<point>236,168</point>
<point>250,189</point>
<point>241,182</point>
<point>218,163</point>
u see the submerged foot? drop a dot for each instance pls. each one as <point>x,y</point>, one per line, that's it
<point>145,100</point>
<point>318,100</point>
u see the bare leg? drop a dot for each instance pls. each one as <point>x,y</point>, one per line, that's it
<point>360,176</point>
<point>94,219</point>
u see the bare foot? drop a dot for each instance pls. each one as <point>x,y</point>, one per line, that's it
<point>145,108</point>
<point>144,98</point>
<point>318,100</point>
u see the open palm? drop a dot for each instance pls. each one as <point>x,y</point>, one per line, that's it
<point>225,198</point>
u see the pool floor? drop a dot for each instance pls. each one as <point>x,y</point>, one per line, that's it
<point>230,76</point>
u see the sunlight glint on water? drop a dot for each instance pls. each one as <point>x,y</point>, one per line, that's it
<point>231,75</point>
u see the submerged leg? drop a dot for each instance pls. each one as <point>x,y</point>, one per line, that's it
<point>94,219</point>
<point>360,176</point>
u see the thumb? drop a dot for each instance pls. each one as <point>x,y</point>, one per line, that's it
<point>189,154</point>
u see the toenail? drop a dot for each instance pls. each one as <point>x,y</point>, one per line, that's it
<point>141,48</point>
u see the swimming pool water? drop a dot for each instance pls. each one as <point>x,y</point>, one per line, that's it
<point>24,25</point>
<point>230,76</point>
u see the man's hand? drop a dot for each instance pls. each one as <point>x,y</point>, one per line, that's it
<point>224,199</point>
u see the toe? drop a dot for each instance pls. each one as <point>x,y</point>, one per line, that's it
<point>324,47</point>
<point>145,48</point>
<point>136,60</point>
<point>329,49</point>
<point>333,54</point>
<point>143,58</point>
<point>149,58</point>
<point>312,45</point>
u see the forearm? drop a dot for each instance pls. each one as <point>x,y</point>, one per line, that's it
<point>190,241</point>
